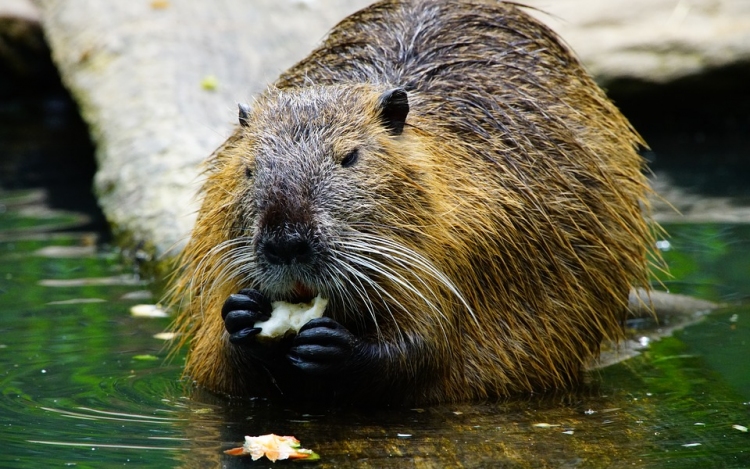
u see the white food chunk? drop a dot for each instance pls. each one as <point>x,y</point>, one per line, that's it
<point>287,317</point>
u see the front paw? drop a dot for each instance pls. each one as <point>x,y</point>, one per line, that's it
<point>240,313</point>
<point>324,347</point>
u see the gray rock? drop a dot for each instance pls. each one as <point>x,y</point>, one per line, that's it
<point>158,81</point>
<point>21,40</point>
<point>21,9</point>
<point>651,40</point>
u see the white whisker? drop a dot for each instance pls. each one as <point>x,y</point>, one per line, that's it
<point>360,291</point>
<point>366,300</point>
<point>399,280</point>
<point>405,257</point>
<point>225,266</point>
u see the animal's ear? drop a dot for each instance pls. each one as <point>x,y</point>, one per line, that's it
<point>244,113</point>
<point>394,106</point>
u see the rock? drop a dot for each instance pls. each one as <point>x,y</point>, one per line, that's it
<point>43,142</point>
<point>158,81</point>
<point>676,204</point>
<point>653,316</point>
<point>23,10</point>
<point>651,40</point>
<point>21,41</point>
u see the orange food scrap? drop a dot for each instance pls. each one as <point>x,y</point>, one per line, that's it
<point>274,447</point>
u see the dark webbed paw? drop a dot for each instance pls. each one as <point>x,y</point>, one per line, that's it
<point>324,347</point>
<point>240,313</point>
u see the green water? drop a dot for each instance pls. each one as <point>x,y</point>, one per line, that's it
<point>86,384</point>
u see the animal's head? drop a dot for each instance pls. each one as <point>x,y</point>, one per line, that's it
<point>324,190</point>
<point>320,165</point>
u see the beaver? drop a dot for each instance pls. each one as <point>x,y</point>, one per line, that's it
<point>450,179</point>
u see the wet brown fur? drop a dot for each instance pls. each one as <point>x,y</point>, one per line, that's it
<point>515,176</point>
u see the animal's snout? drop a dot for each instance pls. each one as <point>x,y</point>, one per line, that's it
<point>287,249</point>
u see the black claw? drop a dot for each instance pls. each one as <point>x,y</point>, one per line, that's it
<point>294,359</point>
<point>244,336</point>
<point>308,367</point>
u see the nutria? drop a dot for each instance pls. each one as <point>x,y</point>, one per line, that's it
<point>448,176</point>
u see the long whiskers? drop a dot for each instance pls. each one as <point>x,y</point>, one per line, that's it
<point>388,273</point>
<point>408,259</point>
<point>230,261</point>
<point>358,277</point>
<point>352,278</point>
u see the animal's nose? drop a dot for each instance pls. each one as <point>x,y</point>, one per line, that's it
<point>287,250</point>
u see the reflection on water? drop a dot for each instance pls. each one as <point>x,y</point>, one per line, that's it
<point>72,392</point>
<point>85,383</point>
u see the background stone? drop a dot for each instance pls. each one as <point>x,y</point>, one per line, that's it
<point>651,40</point>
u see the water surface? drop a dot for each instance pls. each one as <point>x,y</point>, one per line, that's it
<point>86,384</point>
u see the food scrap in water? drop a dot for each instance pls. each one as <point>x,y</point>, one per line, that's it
<point>148,311</point>
<point>546,425</point>
<point>145,357</point>
<point>165,335</point>
<point>274,447</point>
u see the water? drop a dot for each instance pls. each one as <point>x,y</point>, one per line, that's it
<point>86,384</point>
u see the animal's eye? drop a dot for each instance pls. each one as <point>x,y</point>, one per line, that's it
<point>248,172</point>
<point>350,158</point>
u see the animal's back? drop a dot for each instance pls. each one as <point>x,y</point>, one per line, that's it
<point>531,204</point>
<point>482,65</point>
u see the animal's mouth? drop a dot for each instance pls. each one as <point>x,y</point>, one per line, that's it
<point>301,293</point>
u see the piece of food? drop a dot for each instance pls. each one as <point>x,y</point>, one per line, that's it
<point>274,447</point>
<point>287,317</point>
<point>148,311</point>
<point>210,83</point>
